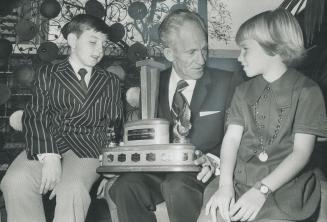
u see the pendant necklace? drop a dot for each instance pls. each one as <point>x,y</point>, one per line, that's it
<point>263,155</point>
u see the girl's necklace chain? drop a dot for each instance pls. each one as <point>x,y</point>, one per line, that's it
<point>263,156</point>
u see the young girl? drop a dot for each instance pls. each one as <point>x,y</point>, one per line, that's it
<point>272,127</point>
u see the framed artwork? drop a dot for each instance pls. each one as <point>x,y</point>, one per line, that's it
<point>224,19</point>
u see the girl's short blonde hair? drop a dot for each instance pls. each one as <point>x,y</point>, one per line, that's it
<point>278,32</point>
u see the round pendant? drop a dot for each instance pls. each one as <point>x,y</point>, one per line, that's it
<point>263,156</point>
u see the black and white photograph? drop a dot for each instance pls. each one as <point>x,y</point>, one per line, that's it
<point>163,110</point>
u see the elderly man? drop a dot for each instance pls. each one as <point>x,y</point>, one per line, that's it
<point>206,93</point>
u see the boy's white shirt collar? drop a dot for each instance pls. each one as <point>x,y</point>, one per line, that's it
<point>76,68</point>
<point>188,92</point>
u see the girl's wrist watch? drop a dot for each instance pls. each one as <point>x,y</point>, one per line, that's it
<point>264,189</point>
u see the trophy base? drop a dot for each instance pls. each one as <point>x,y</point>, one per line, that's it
<point>117,169</point>
<point>149,158</point>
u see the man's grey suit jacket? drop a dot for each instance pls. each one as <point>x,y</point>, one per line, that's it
<point>211,98</point>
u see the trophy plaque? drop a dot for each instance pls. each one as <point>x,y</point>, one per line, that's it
<point>146,142</point>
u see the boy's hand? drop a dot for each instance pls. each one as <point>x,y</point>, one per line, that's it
<point>51,173</point>
<point>221,202</point>
<point>248,206</point>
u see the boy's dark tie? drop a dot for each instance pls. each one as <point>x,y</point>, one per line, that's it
<point>180,109</point>
<point>82,72</point>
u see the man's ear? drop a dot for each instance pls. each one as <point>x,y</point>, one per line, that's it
<point>169,54</point>
<point>71,40</point>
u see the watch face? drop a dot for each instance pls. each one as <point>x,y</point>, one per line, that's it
<point>264,189</point>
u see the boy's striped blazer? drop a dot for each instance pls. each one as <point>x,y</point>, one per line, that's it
<point>60,117</point>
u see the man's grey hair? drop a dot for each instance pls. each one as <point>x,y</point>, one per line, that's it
<point>174,21</point>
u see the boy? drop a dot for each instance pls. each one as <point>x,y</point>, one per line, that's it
<point>73,103</point>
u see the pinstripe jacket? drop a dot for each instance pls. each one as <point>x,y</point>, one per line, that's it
<point>60,117</point>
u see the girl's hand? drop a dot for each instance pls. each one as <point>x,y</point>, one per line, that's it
<point>223,199</point>
<point>248,206</point>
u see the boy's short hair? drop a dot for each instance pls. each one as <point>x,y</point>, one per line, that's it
<point>174,21</point>
<point>82,22</point>
<point>277,32</point>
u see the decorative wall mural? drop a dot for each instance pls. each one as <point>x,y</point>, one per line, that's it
<point>132,23</point>
<point>31,22</point>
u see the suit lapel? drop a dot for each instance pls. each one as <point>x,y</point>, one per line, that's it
<point>97,83</point>
<point>67,77</point>
<point>200,93</point>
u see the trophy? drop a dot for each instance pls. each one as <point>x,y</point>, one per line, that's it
<point>146,142</point>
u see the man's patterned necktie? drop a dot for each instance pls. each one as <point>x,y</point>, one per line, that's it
<point>180,110</point>
<point>82,72</point>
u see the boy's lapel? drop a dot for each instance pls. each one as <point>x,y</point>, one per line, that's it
<point>97,84</point>
<point>68,79</point>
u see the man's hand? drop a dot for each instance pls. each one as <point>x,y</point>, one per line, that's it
<point>102,188</point>
<point>51,173</point>
<point>208,166</point>
<point>103,184</point>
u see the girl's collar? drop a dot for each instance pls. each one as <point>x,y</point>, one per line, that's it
<point>282,88</point>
